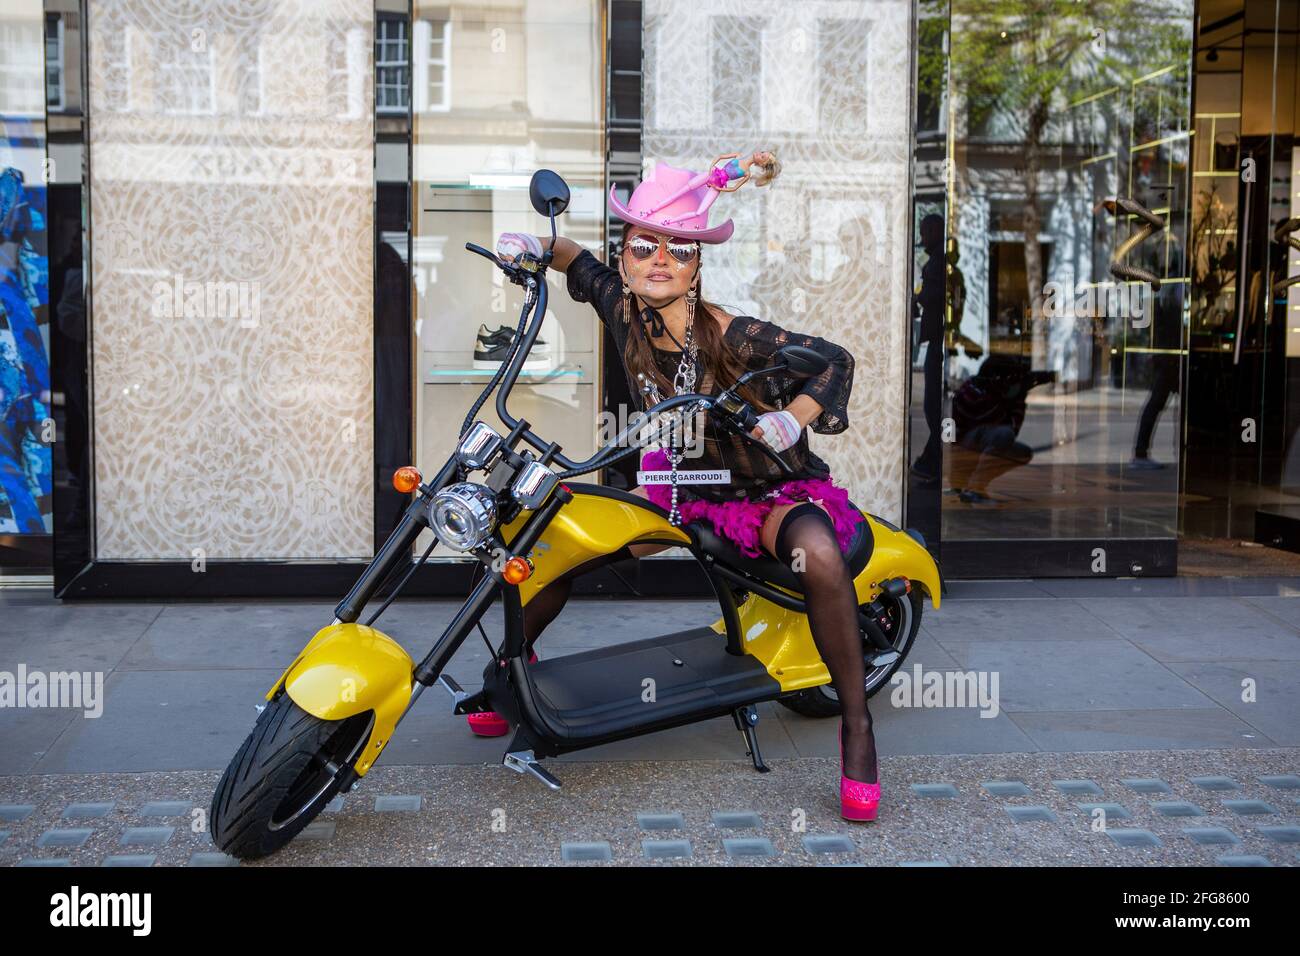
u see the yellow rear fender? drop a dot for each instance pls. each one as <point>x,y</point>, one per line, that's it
<point>349,669</point>
<point>898,553</point>
<point>781,638</point>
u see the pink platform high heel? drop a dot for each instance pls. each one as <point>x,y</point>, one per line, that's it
<point>858,800</point>
<point>488,723</point>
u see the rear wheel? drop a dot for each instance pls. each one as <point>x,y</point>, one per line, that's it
<point>904,620</point>
<point>288,769</point>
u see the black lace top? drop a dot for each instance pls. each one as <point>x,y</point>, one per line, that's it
<point>753,474</point>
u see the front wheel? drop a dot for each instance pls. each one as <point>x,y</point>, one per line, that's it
<point>904,622</point>
<point>285,773</point>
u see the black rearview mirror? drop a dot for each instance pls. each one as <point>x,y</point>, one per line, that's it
<point>802,362</point>
<point>548,193</point>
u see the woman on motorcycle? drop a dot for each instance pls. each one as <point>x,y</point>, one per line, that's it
<point>673,341</point>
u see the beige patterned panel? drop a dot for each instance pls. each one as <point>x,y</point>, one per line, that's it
<point>231,203</point>
<point>825,249</point>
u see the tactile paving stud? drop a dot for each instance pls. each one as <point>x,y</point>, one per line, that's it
<point>1031,814</point>
<point>829,843</point>
<point>1216,783</point>
<point>1210,836</point>
<point>945,791</point>
<point>1006,788</point>
<point>1113,811</point>
<point>665,849</point>
<point>1128,837</point>
<point>212,859</point>
<point>334,806</point>
<point>743,820</point>
<point>585,852</point>
<point>750,846</point>
<point>1077,788</point>
<point>320,830</point>
<point>87,811</point>
<point>397,804</point>
<point>660,821</point>
<point>4,835</point>
<point>44,861</point>
<point>1147,785</point>
<point>166,808</point>
<point>1242,861</point>
<point>1285,781</point>
<point>130,859</point>
<point>1282,834</point>
<point>15,812</point>
<point>924,863</point>
<point>1177,808</point>
<point>146,836</point>
<point>69,837</point>
<point>1249,807</point>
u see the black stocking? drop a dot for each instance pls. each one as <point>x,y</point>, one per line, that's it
<point>547,603</point>
<point>807,544</point>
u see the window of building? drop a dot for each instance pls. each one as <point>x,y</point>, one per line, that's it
<point>392,66</point>
<point>185,76</point>
<point>439,55</point>
<point>54,62</point>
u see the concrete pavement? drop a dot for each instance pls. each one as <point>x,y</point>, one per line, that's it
<point>1164,677</point>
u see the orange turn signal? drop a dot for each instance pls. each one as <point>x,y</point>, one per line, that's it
<point>517,570</point>
<point>406,479</point>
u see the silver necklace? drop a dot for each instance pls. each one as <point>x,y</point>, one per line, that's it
<point>683,384</point>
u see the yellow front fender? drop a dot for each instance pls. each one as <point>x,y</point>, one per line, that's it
<point>349,669</point>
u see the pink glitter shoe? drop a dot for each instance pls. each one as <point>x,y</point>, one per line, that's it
<point>858,800</point>
<point>488,723</point>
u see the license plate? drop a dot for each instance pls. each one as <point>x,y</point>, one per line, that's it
<point>719,477</point>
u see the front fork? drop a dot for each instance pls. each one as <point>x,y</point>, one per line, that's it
<point>415,519</point>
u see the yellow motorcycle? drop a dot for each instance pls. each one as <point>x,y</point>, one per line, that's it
<point>330,714</point>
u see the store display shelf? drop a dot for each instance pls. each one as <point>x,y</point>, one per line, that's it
<point>458,374</point>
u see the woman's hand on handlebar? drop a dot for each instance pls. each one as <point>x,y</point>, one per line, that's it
<point>511,245</point>
<point>778,430</point>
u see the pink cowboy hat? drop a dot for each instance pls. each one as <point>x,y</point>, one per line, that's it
<point>678,218</point>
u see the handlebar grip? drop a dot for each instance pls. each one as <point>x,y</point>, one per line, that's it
<point>482,252</point>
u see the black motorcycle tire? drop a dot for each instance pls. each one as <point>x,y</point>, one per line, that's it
<point>275,764</point>
<point>822,702</point>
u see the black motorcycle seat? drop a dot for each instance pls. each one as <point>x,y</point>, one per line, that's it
<point>768,568</point>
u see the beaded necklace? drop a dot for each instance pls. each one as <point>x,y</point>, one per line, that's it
<point>683,384</point>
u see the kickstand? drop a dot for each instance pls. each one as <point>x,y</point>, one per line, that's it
<point>746,719</point>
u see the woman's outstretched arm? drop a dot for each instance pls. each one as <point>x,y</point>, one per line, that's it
<point>566,250</point>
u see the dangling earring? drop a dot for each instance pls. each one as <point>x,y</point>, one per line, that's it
<point>627,302</point>
<point>691,299</point>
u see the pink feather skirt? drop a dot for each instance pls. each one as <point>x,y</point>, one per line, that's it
<point>741,521</point>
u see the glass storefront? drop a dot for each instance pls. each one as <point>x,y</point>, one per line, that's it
<point>1096,387</point>
<point>498,92</point>
<point>1243,402</point>
<point>1058,239</point>
<point>28,41</point>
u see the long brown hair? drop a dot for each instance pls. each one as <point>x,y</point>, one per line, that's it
<point>719,362</point>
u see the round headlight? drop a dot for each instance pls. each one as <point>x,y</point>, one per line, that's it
<point>463,515</point>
